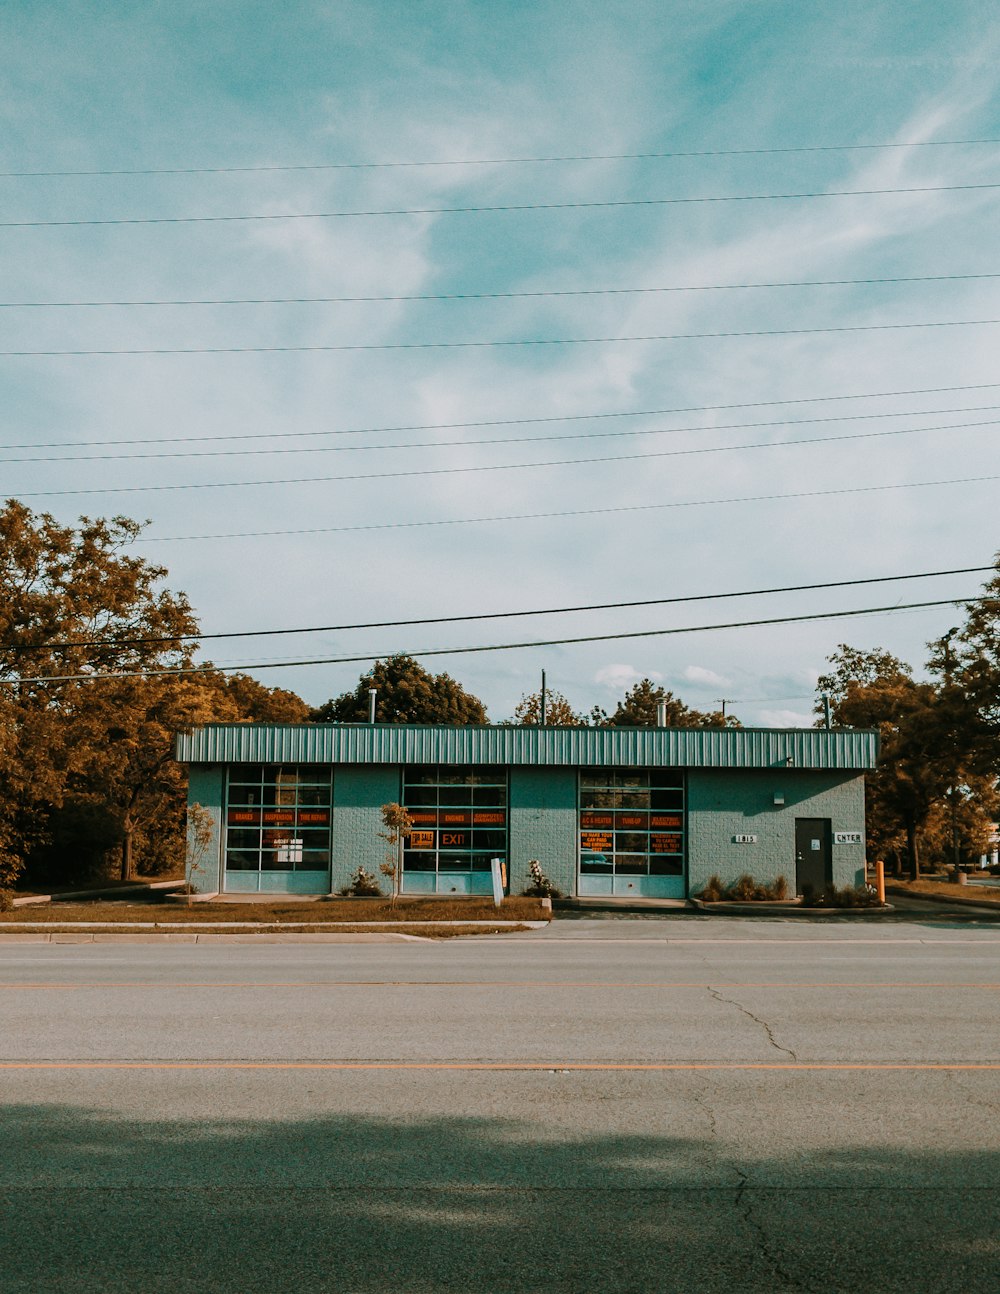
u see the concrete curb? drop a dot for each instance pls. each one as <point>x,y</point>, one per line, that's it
<point>117,937</point>
<point>74,896</point>
<point>238,932</point>
<point>220,927</point>
<point>785,909</point>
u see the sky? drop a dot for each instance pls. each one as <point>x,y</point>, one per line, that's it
<point>335,439</point>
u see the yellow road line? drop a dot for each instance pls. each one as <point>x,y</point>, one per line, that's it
<point>550,1066</point>
<point>498,984</point>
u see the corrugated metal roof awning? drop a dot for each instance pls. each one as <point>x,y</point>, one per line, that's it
<point>252,743</point>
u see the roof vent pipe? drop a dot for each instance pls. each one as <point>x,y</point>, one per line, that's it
<point>372,694</point>
<point>661,714</point>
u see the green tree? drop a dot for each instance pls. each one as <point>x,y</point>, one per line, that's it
<point>967,659</point>
<point>406,693</point>
<point>920,762</point>
<point>558,711</point>
<point>638,709</point>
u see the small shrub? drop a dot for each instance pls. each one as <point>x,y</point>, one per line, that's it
<point>857,896</point>
<point>743,890</point>
<point>713,891</point>
<point>779,890</point>
<point>362,885</point>
<point>6,900</point>
<point>851,896</point>
<point>539,886</point>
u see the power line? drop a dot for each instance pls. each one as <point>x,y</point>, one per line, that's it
<point>500,467</point>
<point>577,512</point>
<point>520,422</point>
<point>493,647</point>
<point>496,296</point>
<point>496,615</point>
<point>500,161</point>
<point>596,205</point>
<point>481,345</point>
<point>535,440</point>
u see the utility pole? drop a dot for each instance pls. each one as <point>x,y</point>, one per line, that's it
<point>953,792</point>
<point>724,701</point>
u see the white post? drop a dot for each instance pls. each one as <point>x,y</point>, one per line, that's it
<point>497,871</point>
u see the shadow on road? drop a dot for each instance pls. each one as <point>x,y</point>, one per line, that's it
<point>91,1202</point>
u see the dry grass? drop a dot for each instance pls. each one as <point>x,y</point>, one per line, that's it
<point>339,912</point>
<point>948,889</point>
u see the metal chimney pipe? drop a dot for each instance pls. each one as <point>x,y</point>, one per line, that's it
<point>372,694</point>
<point>661,714</point>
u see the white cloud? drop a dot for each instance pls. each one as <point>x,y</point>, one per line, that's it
<point>784,719</point>
<point>618,678</point>
<point>698,674</point>
<point>626,530</point>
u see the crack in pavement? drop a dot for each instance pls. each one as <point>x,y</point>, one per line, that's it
<point>764,1249</point>
<point>755,1018</point>
<point>709,1113</point>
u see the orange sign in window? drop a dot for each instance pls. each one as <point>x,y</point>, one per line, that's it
<point>421,840</point>
<point>595,842</point>
<point>489,818</point>
<point>454,817</point>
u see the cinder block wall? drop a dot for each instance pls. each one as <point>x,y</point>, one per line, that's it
<point>203,868</point>
<point>543,825</point>
<point>359,791</point>
<point>723,803</point>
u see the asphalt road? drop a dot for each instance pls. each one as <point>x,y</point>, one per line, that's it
<point>680,1104</point>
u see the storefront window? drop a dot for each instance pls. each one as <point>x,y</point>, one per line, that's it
<point>278,818</point>
<point>631,822</point>
<point>459,816</point>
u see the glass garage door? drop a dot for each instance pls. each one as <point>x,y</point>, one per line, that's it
<point>459,816</point>
<point>278,829</point>
<point>631,832</point>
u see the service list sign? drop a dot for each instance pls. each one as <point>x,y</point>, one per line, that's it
<point>278,817</point>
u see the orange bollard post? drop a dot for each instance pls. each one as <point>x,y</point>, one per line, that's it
<point>880,880</point>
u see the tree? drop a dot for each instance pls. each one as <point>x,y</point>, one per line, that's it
<point>920,760</point>
<point>406,693</point>
<point>398,827</point>
<point>558,711</point>
<point>87,716</point>
<point>967,659</point>
<point>640,705</point>
<point>260,704</point>
<point>73,603</point>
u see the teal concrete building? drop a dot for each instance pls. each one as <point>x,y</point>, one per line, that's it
<point>607,812</point>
